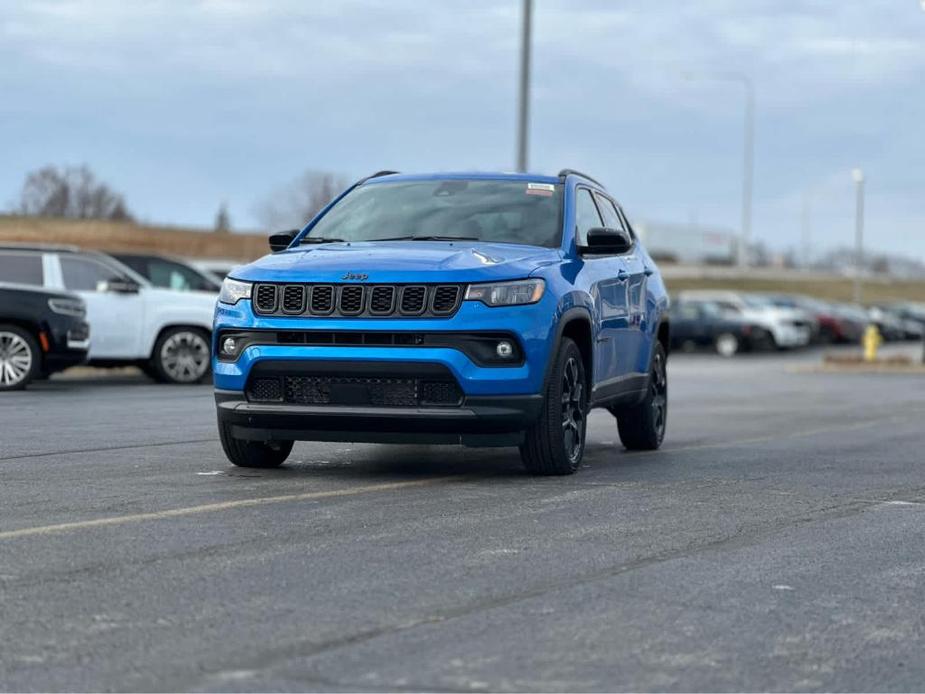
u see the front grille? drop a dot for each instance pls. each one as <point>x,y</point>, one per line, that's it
<point>322,299</point>
<point>382,300</point>
<point>445,299</point>
<point>294,299</point>
<point>265,298</point>
<point>355,391</point>
<point>413,300</point>
<point>440,393</point>
<point>351,300</point>
<point>357,300</point>
<point>265,390</point>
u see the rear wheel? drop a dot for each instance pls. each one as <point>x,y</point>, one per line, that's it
<point>556,443</point>
<point>642,427</point>
<point>260,454</point>
<point>726,344</point>
<point>19,358</point>
<point>181,355</point>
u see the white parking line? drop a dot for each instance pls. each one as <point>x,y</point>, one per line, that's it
<point>223,506</point>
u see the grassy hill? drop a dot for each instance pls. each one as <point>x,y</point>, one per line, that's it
<point>124,236</point>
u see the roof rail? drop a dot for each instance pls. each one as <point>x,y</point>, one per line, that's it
<point>384,172</point>
<point>566,172</point>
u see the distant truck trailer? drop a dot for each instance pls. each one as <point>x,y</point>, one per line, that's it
<point>688,243</point>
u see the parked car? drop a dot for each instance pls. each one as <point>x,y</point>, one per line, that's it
<point>483,309</point>
<point>788,327</point>
<point>164,332</point>
<point>912,315</point>
<point>170,273</point>
<point>703,324</point>
<point>853,320</point>
<point>891,326</point>
<point>41,332</point>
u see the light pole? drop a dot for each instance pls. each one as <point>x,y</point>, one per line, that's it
<point>748,163</point>
<point>858,176</point>
<point>523,110</point>
<point>806,231</point>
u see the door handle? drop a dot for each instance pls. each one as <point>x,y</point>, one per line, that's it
<point>622,275</point>
<point>648,271</point>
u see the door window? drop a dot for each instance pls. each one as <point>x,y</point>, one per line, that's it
<point>164,273</point>
<point>84,274</point>
<point>21,268</point>
<point>586,216</point>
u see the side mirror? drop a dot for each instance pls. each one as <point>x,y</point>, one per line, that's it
<point>280,240</point>
<point>118,285</point>
<point>606,241</point>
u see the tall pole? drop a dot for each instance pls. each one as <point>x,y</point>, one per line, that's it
<point>523,114</point>
<point>748,170</point>
<point>805,226</point>
<point>858,177</point>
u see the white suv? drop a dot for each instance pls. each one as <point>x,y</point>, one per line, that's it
<point>165,332</point>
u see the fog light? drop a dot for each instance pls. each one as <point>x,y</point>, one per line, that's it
<point>229,345</point>
<point>505,349</point>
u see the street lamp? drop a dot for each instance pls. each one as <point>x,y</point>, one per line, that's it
<point>858,176</point>
<point>748,164</point>
<point>523,110</point>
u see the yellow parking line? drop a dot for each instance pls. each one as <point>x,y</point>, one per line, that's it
<point>223,506</point>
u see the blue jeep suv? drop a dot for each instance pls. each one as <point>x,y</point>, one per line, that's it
<point>487,309</point>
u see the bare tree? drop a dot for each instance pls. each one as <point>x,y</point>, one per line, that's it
<point>222,219</point>
<point>294,204</point>
<point>71,192</point>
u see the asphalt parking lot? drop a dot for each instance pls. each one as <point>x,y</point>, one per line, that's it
<point>777,542</point>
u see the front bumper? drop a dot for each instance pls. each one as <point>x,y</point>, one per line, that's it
<point>479,421</point>
<point>532,325</point>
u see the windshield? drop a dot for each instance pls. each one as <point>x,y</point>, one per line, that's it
<point>494,211</point>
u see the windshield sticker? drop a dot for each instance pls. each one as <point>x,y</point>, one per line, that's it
<point>544,189</point>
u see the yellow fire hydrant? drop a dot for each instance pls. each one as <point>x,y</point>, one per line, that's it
<point>871,342</point>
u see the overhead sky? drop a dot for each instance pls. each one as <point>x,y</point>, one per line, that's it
<point>181,105</point>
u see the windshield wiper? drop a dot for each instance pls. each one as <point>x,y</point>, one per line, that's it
<point>429,238</point>
<point>319,239</point>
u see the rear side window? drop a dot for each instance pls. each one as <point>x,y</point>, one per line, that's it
<point>21,268</point>
<point>84,274</point>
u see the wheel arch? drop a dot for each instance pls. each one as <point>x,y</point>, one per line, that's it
<point>576,325</point>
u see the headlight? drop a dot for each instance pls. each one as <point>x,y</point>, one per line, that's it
<point>507,293</point>
<point>67,307</point>
<point>234,290</point>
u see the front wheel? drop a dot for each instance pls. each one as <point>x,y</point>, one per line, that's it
<point>181,355</point>
<point>642,426</point>
<point>259,454</point>
<point>19,358</point>
<point>556,443</point>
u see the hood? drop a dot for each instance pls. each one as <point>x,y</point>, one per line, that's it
<point>400,261</point>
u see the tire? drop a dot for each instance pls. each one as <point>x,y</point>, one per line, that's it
<point>556,443</point>
<point>259,454</point>
<point>642,427</point>
<point>726,344</point>
<point>20,358</point>
<point>182,355</point>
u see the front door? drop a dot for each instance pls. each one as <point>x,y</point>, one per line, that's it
<point>116,318</point>
<point>608,280</point>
